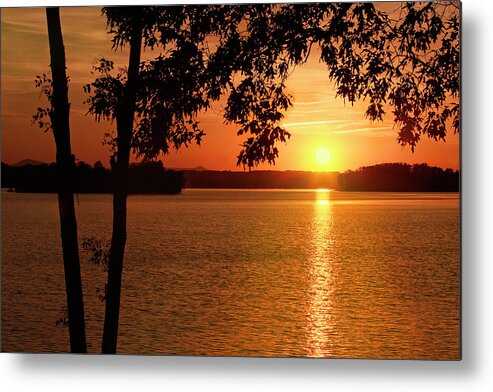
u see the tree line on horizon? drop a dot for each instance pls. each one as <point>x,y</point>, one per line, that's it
<point>143,178</point>
<point>410,64</point>
<point>400,177</point>
<point>152,178</point>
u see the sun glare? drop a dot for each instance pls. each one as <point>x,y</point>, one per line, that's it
<point>322,156</point>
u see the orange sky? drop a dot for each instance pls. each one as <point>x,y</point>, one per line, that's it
<point>316,120</point>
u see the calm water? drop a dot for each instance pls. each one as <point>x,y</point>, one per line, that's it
<point>264,273</point>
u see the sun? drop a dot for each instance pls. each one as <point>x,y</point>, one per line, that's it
<point>322,156</point>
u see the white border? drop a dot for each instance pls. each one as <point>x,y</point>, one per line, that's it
<point>126,373</point>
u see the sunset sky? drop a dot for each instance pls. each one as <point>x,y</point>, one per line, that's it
<point>327,135</point>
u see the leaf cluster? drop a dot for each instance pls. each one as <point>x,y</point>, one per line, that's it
<point>99,254</point>
<point>43,116</point>
<point>408,61</point>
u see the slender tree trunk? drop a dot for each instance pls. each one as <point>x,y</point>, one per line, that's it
<point>65,167</point>
<point>124,119</point>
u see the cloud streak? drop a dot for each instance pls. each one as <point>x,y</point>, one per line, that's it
<point>313,123</point>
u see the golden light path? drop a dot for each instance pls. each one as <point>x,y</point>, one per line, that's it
<point>321,323</point>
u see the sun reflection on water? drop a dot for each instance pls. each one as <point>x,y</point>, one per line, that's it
<point>321,323</point>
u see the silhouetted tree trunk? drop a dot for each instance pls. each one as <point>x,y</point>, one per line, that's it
<point>124,119</point>
<point>65,166</point>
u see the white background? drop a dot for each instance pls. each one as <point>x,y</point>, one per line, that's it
<point>125,373</point>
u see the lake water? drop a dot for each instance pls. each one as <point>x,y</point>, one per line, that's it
<point>243,272</point>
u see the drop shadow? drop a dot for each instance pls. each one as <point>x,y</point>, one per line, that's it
<point>471,177</point>
<point>32,364</point>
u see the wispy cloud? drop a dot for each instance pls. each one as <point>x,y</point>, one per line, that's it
<point>312,123</point>
<point>302,112</point>
<point>367,129</point>
<point>309,103</point>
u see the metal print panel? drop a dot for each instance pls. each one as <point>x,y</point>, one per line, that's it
<point>269,180</point>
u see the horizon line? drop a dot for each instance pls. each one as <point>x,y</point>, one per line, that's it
<point>199,168</point>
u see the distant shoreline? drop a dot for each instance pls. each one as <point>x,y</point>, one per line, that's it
<point>151,177</point>
<point>7,190</point>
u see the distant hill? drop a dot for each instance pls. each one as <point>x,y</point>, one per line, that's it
<point>26,162</point>
<point>262,179</point>
<point>197,168</point>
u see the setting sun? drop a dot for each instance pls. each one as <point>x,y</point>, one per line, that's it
<point>322,156</point>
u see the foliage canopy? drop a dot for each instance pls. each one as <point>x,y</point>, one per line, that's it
<point>406,61</point>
